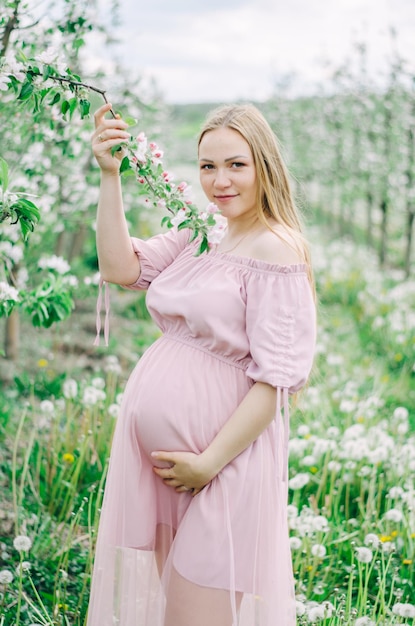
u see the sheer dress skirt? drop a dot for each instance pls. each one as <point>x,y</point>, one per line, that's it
<point>220,558</point>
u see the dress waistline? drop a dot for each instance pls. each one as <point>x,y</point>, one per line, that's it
<point>192,343</point>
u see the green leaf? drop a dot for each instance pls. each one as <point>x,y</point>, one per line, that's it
<point>78,43</point>
<point>131,121</point>
<point>204,246</point>
<point>125,165</point>
<point>85,106</point>
<point>4,174</point>
<point>115,149</point>
<point>184,224</point>
<point>165,219</point>
<point>73,103</point>
<point>26,91</point>
<point>55,99</point>
<point>65,107</point>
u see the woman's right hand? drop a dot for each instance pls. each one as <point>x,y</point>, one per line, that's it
<point>108,133</point>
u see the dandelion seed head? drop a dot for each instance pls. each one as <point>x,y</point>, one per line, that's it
<point>295,543</point>
<point>318,550</point>
<point>393,515</point>
<point>6,577</point>
<point>404,609</point>
<point>300,608</point>
<point>70,388</point>
<point>372,540</point>
<point>364,621</point>
<point>47,407</point>
<point>22,543</point>
<point>364,554</point>
<point>98,382</point>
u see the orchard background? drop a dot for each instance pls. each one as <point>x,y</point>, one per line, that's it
<point>352,449</point>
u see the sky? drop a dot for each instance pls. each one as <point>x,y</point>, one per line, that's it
<point>229,50</point>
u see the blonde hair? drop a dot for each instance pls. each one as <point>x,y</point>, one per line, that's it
<point>275,197</point>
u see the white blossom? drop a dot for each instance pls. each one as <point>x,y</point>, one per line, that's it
<point>4,83</point>
<point>179,218</point>
<point>7,292</point>
<point>56,263</point>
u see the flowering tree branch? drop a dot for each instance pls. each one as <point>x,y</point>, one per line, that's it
<point>45,80</point>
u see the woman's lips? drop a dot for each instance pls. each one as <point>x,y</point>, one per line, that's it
<point>224,198</point>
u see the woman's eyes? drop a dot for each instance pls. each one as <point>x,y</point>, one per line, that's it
<point>233,165</point>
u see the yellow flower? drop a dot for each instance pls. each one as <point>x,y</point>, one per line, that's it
<point>385,378</point>
<point>385,538</point>
<point>68,457</point>
<point>360,419</point>
<point>42,363</point>
<point>313,469</point>
<point>398,357</point>
<point>394,533</point>
<point>407,562</point>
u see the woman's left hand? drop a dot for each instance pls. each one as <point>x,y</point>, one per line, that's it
<point>188,471</point>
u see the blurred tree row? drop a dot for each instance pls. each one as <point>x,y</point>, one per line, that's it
<point>353,148</point>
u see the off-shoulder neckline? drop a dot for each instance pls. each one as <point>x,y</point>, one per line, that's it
<point>258,264</point>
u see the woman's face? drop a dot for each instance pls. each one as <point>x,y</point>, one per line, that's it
<point>227,173</point>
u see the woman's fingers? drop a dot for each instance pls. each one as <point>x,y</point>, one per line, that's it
<point>100,113</point>
<point>108,134</point>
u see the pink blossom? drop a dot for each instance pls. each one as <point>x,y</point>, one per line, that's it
<point>212,208</point>
<point>182,186</point>
<point>216,232</point>
<point>168,176</point>
<point>141,137</point>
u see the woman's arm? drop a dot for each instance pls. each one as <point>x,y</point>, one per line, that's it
<point>251,418</point>
<point>118,262</point>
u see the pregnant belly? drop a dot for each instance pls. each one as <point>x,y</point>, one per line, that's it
<point>178,397</point>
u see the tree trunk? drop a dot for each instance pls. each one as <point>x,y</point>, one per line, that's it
<point>11,346</point>
<point>9,28</point>
<point>409,237</point>
<point>369,217</point>
<point>77,242</point>
<point>383,231</point>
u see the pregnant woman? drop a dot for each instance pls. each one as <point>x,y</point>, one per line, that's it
<point>193,529</point>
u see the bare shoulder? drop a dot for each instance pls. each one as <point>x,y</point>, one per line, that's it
<point>279,246</point>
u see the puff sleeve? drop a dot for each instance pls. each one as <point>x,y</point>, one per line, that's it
<point>281,328</point>
<point>155,254</point>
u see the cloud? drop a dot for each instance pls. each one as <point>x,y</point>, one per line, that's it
<point>217,52</point>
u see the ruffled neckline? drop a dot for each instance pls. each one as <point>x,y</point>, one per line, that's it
<point>258,264</point>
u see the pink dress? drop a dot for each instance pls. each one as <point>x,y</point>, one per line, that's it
<point>222,557</point>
